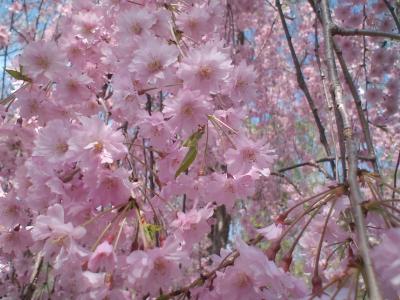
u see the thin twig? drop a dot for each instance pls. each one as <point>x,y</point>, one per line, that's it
<point>303,85</point>
<point>336,30</point>
<point>288,180</point>
<point>395,176</point>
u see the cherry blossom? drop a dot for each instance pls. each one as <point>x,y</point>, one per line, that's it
<point>199,149</point>
<point>42,59</point>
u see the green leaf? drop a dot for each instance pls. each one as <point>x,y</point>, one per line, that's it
<point>187,161</point>
<point>193,139</point>
<point>18,75</point>
<point>150,230</point>
<point>190,156</point>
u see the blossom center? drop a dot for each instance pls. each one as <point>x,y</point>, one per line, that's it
<point>109,183</point>
<point>72,85</point>
<point>243,280</point>
<point>12,209</point>
<point>136,28</point>
<point>42,62</point>
<point>33,106</point>
<point>160,265</point>
<point>154,66</point>
<point>193,24</point>
<point>98,147</point>
<point>62,147</point>
<point>205,72</point>
<point>230,188</point>
<point>187,110</point>
<point>240,83</point>
<point>249,154</point>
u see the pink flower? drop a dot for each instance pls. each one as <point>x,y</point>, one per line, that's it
<point>52,225</point>
<point>111,187</point>
<point>15,241</point>
<point>192,226</point>
<point>103,258</point>
<point>93,139</point>
<point>205,68</point>
<point>135,22</point>
<point>244,279</point>
<point>195,23</point>
<point>12,211</point>
<point>52,142</point>
<point>156,130</point>
<point>41,58</point>
<point>57,234</point>
<point>226,190</point>
<point>30,102</point>
<point>87,24</point>
<point>155,269</point>
<point>152,60</point>
<point>73,87</point>
<point>242,84</point>
<point>251,273</point>
<point>187,111</point>
<point>248,155</point>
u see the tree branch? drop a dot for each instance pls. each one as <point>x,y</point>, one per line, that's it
<point>226,262</point>
<point>395,176</point>
<point>303,86</point>
<point>336,30</point>
<point>392,12</point>
<point>355,193</point>
<point>357,100</point>
<point>288,180</point>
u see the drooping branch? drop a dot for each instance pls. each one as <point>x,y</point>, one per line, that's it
<point>303,85</point>
<point>327,99</point>
<point>392,12</point>
<point>226,262</point>
<point>321,160</point>
<point>355,193</point>
<point>357,100</point>
<point>3,83</point>
<point>336,30</point>
<point>307,163</point>
<point>395,176</point>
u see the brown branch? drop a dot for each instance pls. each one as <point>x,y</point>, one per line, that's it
<point>3,85</point>
<point>395,176</point>
<point>38,18</point>
<point>303,86</point>
<point>327,99</point>
<point>274,8</point>
<point>392,12</point>
<point>336,30</point>
<point>310,164</point>
<point>357,100</point>
<point>355,193</point>
<point>29,289</point>
<point>321,160</point>
<point>226,262</point>
<point>318,255</point>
